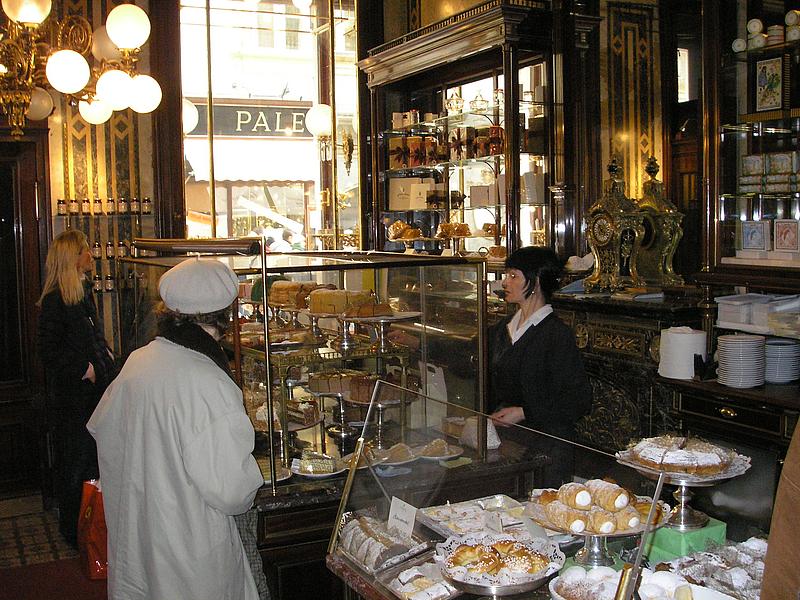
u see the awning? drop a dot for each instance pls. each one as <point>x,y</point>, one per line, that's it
<point>243,159</point>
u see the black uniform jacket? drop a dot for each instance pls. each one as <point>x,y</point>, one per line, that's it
<point>543,373</point>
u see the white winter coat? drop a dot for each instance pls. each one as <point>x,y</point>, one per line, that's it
<point>174,446</point>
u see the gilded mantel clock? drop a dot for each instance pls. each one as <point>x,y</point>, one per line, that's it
<point>615,230</point>
<point>662,232</point>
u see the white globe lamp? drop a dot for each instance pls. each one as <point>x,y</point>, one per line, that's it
<point>41,105</point>
<point>128,26</point>
<point>114,88</point>
<point>27,12</point>
<point>319,120</point>
<point>145,94</point>
<point>67,71</point>
<point>190,116</point>
<point>94,111</point>
<point>102,46</point>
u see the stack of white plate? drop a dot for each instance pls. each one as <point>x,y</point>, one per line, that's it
<point>783,361</point>
<point>742,360</point>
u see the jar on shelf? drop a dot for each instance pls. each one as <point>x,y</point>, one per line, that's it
<point>86,206</point>
<point>97,250</point>
<point>74,206</point>
<point>134,205</point>
<point>496,136</point>
<point>97,206</point>
<point>147,206</point>
<point>122,249</point>
<point>97,283</point>
<point>109,283</point>
<point>109,249</point>
<point>111,207</point>
<point>122,205</point>
<point>61,207</point>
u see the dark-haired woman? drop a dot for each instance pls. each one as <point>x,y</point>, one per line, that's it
<point>537,377</point>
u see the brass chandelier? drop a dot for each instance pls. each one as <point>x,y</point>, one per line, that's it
<point>39,51</point>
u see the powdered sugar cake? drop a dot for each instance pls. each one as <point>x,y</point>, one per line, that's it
<point>676,454</point>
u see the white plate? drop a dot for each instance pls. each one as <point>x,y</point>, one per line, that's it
<point>296,470</point>
<point>375,462</point>
<point>283,475</point>
<point>454,452</point>
<point>397,464</point>
<point>698,592</point>
<point>397,316</point>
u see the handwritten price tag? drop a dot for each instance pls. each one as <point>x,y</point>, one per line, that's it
<point>402,516</point>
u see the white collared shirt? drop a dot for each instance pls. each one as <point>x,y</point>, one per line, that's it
<point>516,329</point>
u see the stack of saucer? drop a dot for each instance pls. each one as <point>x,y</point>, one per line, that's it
<point>775,35</point>
<point>783,361</point>
<point>742,360</point>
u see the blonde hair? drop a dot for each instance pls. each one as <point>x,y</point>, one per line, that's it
<point>62,268</point>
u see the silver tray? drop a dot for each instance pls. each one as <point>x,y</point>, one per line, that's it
<point>498,590</point>
<point>388,576</point>
<point>739,465</point>
<point>495,503</point>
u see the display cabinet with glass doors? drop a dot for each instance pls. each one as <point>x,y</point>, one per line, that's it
<point>450,504</point>
<point>753,126</point>
<point>314,331</point>
<point>463,121</point>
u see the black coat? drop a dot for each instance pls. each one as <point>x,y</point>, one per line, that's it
<point>543,373</point>
<point>69,338</point>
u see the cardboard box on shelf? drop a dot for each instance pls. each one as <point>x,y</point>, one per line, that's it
<point>398,153</point>
<point>416,150</point>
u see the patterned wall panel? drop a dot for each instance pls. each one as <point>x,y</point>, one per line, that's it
<point>631,87</point>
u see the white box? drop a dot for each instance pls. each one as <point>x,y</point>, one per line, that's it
<point>738,308</point>
<point>400,192</point>
<point>419,195</point>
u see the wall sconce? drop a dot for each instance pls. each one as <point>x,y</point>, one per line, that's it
<point>36,52</point>
<point>319,122</point>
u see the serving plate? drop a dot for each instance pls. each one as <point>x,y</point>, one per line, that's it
<point>295,468</point>
<point>453,452</point>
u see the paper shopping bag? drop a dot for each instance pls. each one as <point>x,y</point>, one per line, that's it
<point>92,532</point>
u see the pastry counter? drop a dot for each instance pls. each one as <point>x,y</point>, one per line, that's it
<point>406,529</point>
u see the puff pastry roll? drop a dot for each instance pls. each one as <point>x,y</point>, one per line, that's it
<point>575,495</point>
<point>608,495</point>
<point>564,517</point>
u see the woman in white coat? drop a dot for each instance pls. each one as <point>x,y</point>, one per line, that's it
<point>174,446</point>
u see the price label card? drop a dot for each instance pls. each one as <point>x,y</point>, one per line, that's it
<point>402,516</point>
<point>492,521</point>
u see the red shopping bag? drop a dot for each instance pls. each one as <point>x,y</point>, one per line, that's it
<point>92,532</point>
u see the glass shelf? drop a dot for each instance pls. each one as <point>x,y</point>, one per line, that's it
<point>467,162</point>
<point>758,128</point>
<point>744,55</point>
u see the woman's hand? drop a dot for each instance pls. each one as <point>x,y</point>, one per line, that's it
<point>404,339</point>
<point>511,415</point>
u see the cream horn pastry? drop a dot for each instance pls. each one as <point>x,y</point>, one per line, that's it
<point>608,495</point>
<point>564,517</point>
<point>602,521</point>
<point>575,495</point>
<point>628,518</point>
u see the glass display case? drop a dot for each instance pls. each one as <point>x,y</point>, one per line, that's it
<point>753,124</point>
<point>463,151</point>
<point>446,502</point>
<point>314,330</point>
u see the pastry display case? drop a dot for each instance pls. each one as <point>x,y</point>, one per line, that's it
<point>314,331</point>
<point>426,509</point>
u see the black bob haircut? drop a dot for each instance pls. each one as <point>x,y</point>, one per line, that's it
<point>537,263</point>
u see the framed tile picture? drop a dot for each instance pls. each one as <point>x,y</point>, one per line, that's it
<point>755,235</point>
<point>787,235</point>
<point>769,84</point>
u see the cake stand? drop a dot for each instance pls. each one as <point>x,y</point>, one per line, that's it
<point>383,344</point>
<point>683,517</point>
<point>339,429</point>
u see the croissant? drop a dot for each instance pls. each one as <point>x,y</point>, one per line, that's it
<point>602,521</point>
<point>575,495</point>
<point>628,518</point>
<point>564,517</point>
<point>608,495</point>
<point>547,496</point>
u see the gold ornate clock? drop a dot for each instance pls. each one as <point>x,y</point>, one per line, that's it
<point>615,230</point>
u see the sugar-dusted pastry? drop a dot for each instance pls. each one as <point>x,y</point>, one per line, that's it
<point>575,495</point>
<point>399,453</point>
<point>682,455</point>
<point>608,495</point>
<point>445,230</point>
<point>547,496</point>
<point>412,233</point>
<point>396,229</point>
<point>628,518</point>
<point>564,517</point>
<point>462,230</point>
<point>437,447</point>
<point>602,521</point>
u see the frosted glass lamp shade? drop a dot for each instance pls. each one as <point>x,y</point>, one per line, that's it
<point>94,111</point>
<point>41,105</point>
<point>114,88</point>
<point>302,4</point>
<point>102,46</point>
<point>128,26</point>
<point>190,116</point>
<point>145,94</point>
<point>28,12</point>
<point>319,120</point>
<point>67,71</point>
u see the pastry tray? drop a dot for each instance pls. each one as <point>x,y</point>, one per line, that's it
<point>388,576</point>
<point>739,465</point>
<point>497,503</point>
<point>421,546</point>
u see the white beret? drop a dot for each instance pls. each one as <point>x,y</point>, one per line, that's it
<point>198,286</point>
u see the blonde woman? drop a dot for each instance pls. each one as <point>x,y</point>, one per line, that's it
<point>78,366</point>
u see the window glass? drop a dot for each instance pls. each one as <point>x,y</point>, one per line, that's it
<point>267,173</point>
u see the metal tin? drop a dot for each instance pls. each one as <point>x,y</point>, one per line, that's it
<point>97,250</point>
<point>86,206</point>
<point>74,207</point>
<point>134,205</point>
<point>110,206</point>
<point>97,283</point>
<point>109,283</point>
<point>61,207</point>
<point>147,206</point>
<point>122,249</point>
<point>122,205</point>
